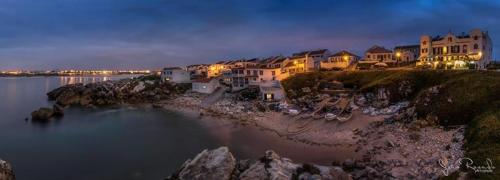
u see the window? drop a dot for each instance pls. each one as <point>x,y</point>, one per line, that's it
<point>368,56</point>
<point>261,72</point>
<point>424,43</point>
<point>475,37</point>
<point>273,73</point>
<point>476,46</point>
<point>248,72</point>
<point>464,49</point>
<point>450,39</point>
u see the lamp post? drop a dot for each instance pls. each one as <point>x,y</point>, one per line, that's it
<point>398,55</point>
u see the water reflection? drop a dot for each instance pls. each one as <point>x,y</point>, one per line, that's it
<point>64,80</point>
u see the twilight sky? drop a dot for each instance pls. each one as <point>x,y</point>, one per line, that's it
<point>139,34</point>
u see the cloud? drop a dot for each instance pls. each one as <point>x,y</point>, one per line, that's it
<point>155,33</point>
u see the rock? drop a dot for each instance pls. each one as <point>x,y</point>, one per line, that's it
<point>58,110</point>
<point>6,171</point>
<point>213,164</point>
<point>348,164</point>
<point>389,143</point>
<point>306,90</point>
<point>42,114</point>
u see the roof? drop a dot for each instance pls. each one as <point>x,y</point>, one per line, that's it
<point>203,80</point>
<point>378,49</point>
<point>343,53</point>
<point>220,62</point>
<point>408,47</point>
<point>193,65</point>
<point>270,86</point>
<point>172,68</point>
<point>310,52</point>
<point>289,64</point>
<point>319,51</point>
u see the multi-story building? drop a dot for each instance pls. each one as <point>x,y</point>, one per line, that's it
<point>473,50</point>
<point>340,60</point>
<point>406,54</point>
<point>198,70</point>
<point>216,69</point>
<point>380,54</point>
<point>305,61</point>
<point>267,70</point>
<point>175,75</point>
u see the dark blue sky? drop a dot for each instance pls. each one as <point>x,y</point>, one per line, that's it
<point>135,34</point>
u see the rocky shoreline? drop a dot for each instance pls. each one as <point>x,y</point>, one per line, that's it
<point>6,171</point>
<point>221,164</point>
<point>386,139</point>
<point>390,145</point>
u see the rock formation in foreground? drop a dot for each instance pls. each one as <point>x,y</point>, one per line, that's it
<point>221,164</point>
<point>6,172</point>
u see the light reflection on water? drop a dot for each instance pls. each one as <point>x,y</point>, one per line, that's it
<point>64,80</point>
<point>118,143</point>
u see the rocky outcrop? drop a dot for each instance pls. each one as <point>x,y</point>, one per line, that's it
<point>42,114</point>
<point>45,113</point>
<point>6,171</point>
<point>220,164</point>
<point>136,90</point>
<point>214,164</point>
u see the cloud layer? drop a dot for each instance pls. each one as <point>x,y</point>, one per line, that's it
<point>135,34</point>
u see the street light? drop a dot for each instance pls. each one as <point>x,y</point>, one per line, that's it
<point>398,55</point>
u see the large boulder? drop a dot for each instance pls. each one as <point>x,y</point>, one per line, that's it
<point>220,164</point>
<point>213,164</point>
<point>271,166</point>
<point>42,114</point>
<point>6,171</point>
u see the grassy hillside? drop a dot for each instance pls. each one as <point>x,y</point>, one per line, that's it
<point>461,96</point>
<point>454,97</point>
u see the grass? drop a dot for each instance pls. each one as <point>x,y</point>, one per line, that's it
<point>483,141</point>
<point>465,98</point>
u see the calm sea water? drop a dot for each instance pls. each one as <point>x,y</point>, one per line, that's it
<point>120,143</point>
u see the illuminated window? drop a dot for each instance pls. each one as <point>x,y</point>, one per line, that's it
<point>204,87</point>
<point>269,96</point>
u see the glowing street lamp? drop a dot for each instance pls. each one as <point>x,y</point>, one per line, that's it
<point>398,55</point>
<point>346,57</point>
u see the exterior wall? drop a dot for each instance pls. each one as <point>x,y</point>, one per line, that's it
<point>215,70</point>
<point>338,62</point>
<point>301,65</point>
<point>176,76</point>
<point>382,57</point>
<point>205,87</point>
<point>198,70</point>
<point>272,91</point>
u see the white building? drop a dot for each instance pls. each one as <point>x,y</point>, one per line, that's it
<point>305,61</point>
<point>206,86</point>
<point>406,54</point>
<point>272,91</point>
<point>380,54</point>
<point>340,60</point>
<point>175,75</point>
<point>473,50</point>
<point>198,70</point>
